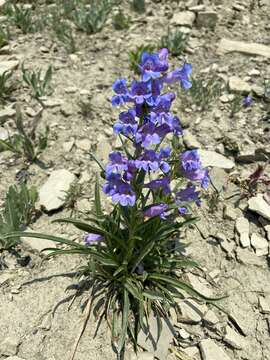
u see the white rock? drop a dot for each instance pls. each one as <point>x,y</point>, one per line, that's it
<point>267,229</point>
<point>191,311</point>
<point>200,284</point>
<point>14,358</point>
<point>183,18</point>
<point>191,351</point>
<point>211,318</point>
<point>6,113</point>
<point>229,212</point>
<point>190,140</point>
<point>211,158</point>
<point>260,244</point>
<point>103,148</point>
<point>227,46</point>
<point>8,66</point>
<point>52,193</point>
<point>2,2</point>
<point>51,103</point>
<point>207,19</point>
<point>238,85</point>
<point>211,351</point>
<point>242,228</point>
<point>260,206</point>
<point>184,334</point>
<point>38,244</point>
<point>264,303</point>
<point>84,144</point>
<point>9,346</point>
<point>68,145</point>
<point>5,277</point>
<point>247,257</point>
<point>3,134</point>
<point>234,339</point>
<point>155,342</point>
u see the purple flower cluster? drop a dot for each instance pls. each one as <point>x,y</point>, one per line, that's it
<point>146,124</point>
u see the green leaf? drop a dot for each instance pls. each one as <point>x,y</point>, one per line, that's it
<point>145,251</point>
<point>182,285</point>
<point>129,285</point>
<point>125,314</point>
<point>98,208</point>
<point>153,295</point>
<point>44,236</point>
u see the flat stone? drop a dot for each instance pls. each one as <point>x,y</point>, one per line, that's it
<point>103,148</point>
<point>38,244</point>
<point>239,86</point>
<point>9,346</point>
<point>247,257</point>
<point>52,193</point>
<point>207,19</point>
<point>155,341</point>
<point>190,140</point>
<point>259,244</point>
<point>84,144</point>
<point>6,114</point>
<point>3,134</point>
<point>52,103</point>
<point>68,145</point>
<point>242,228</point>
<point>191,351</point>
<point>227,46</point>
<point>212,158</point>
<point>5,277</point>
<point>183,18</point>
<point>211,318</point>
<point>259,206</point>
<point>8,66</point>
<point>234,339</point>
<point>264,303</point>
<point>200,285</point>
<point>225,245</point>
<point>229,212</point>
<point>14,358</point>
<point>211,351</point>
<point>267,229</point>
<point>218,178</point>
<point>191,311</point>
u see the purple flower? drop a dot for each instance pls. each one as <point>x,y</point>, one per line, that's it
<point>188,194</point>
<point>90,238</point>
<point>182,75</point>
<point>151,161</point>
<point>124,195</point>
<point>248,101</point>
<point>117,163</point>
<point>182,210</point>
<point>192,167</point>
<point>152,65</point>
<point>156,210</point>
<point>147,135</point>
<point>120,88</point>
<point>140,92</point>
<point>163,184</point>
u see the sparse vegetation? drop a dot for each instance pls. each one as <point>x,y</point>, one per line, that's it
<point>136,54</point>
<point>7,86</point>
<point>120,21</point>
<point>174,41</point>
<point>40,86</point>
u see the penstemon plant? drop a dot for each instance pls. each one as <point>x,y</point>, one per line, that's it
<point>134,262</point>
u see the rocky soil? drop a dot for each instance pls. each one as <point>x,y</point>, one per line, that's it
<point>228,41</point>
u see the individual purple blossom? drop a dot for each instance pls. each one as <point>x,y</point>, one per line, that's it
<point>247,101</point>
<point>140,92</point>
<point>90,238</point>
<point>152,65</point>
<point>120,88</point>
<point>182,210</point>
<point>124,195</point>
<point>156,210</point>
<point>182,75</point>
<point>117,163</point>
<point>157,184</point>
<point>192,167</point>
<point>188,194</point>
<point>147,135</point>
<point>151,161</point>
